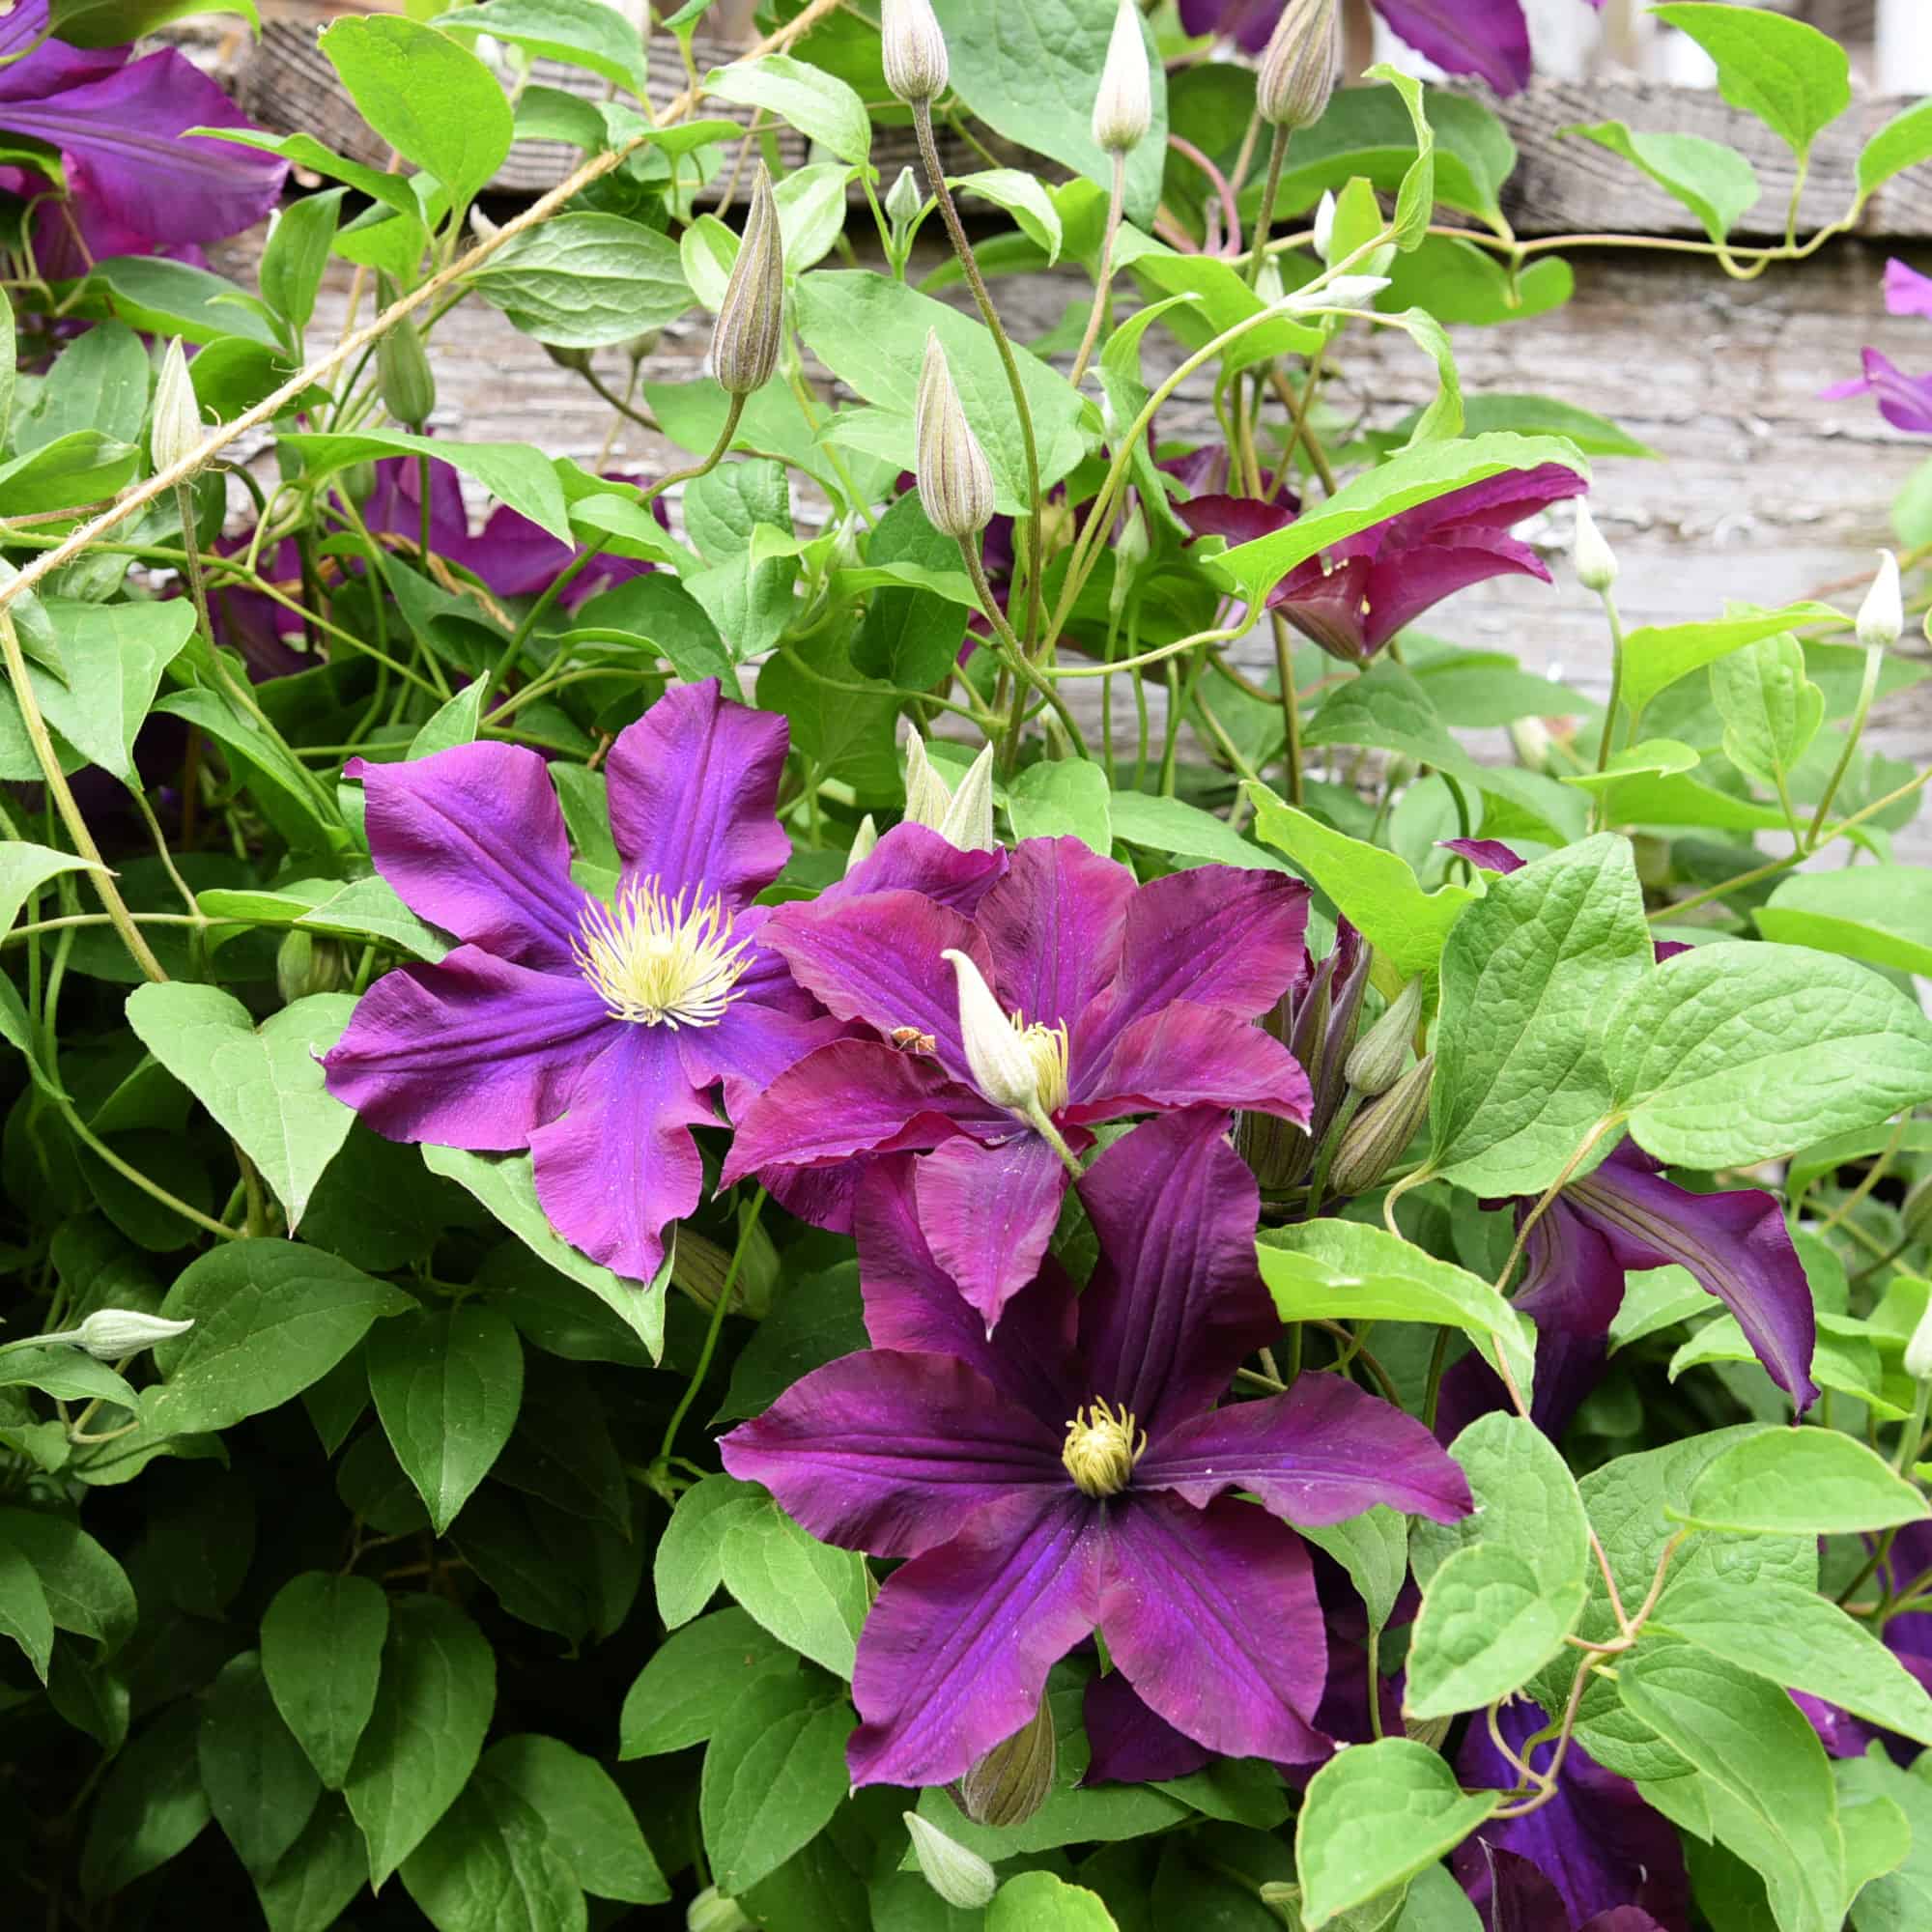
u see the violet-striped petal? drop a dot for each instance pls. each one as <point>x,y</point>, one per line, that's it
<point>989,1214</point>
<point>1238,518</point>
<point>473,840</point>
<point>1490,38</point>
<point>912,1303</point>
<point>954,1655</point>
<point>1129,1742</point>
<point>1247,22</point>
<point>1213,1617</point>
<point>1906,291</point>
<point>1322,1451</point>
<point>692,785</point>
<point>472,1053</point>
<point>1176,1301</point>
<point>620,1166</point>
<point>894,1452</point>
<point>1492,854</point>
<point>37,65</point>
<point>1192,1056</point>
<point>1904,401</point>
<point>914,858</point>
<point>1053,928</point>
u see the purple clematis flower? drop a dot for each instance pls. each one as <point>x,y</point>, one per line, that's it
<point>1129,999</point>
<point>1073,1474</point>
<point>1490,38</point>
<point>136,182</point>
<point>1595,1859</point>
<point>1904,401</point>
<point>1909,1638</point>
<point>1359,593</point>
<point>591,1034</point>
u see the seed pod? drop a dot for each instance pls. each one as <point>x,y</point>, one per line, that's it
<point>1376,1060</point>
<point>1298,65</point>
<point>911,50</point>
<point>576,360</point>
<point>404,377</point>
<point>1596,561</point>
<point>1374,1141</point>
<point>109,1333</point>
<point>1881,615</point>
<point>962,1878</point>
<point>175,432</point>
<point>1010,1782</point>
<point>904,201</point>
<point>1124,107</point>
<point>642,344</point>
<point>955,485</point>
<point>751,319</point>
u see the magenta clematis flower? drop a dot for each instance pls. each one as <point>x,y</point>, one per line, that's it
<point>1904,401</point>
<point>1357,594</point>
<point>593,1034</point>
<point>1490,38</point>
<point>137,184</point>
<point>1073,1474</point>
<point>1125,999</point>
<point>1595,1859</point>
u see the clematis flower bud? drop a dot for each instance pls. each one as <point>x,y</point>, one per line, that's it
<point>699,1267</point>
<point>404,377</point>
<point>1918,1350</point>
<point>1002,1066</point>
<point>175,433</point>
<point>109,1333</point>
<point>1298,65</point>
<point>308,962</point>
<point>1012,1781</point>
<point>928,794</point>
<point>1596,561</point>
<point>1881,615</point>
<point>955,485</point>
<point>864,841</point>
<point>576,360</point>
<point>1124,107</point>
<point>751,319</point>
<point>1376,1060</point>
<point>911,50</point>
<point>904,201</point>
<point>1374,1141</point>
<point>711,1910</point>
<point>1131,549</point>
<point>962,1878</point>
<point>1324,225</point>
<point>642,345</point>
<point>964,816</point>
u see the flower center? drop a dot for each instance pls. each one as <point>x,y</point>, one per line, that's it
<point>1102,1448</point>
<point>654,963</point>
<point>1046,1047</point>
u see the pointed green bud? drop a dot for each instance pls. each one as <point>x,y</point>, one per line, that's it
<point>955,485</point>
<point>968,821</point>
<point>175,433</point>
<point>904,201</point>
<point>1324,225</point>
<point>404,377</point>
<point>308,962</point>
<point>642,344</point>
<point>698,1267</point>
<point>963,1879</point>
<point>110,1333</point>
<point>1130,550</point>
<point>864,842</point>
<point>911,50</point>
<point>1375,1139</point>
<point>1298,65</point>
<point>751,319</point>
<point>711,1910</point>
<point>1881,615</point>
<point>1918,1350</point>
<point>1124,107</point>
<point>1596,561</point>
<point>928,794</point>
<point>1012,1781</point>
<point>1376,1060</point>
<point>576,360</point>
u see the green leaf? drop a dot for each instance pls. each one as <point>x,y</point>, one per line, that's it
<point>270,1319</point>
<point>264,764</point>
<point>24,1613</point>
<point>590,1825</point>
<point>489,1866</point>
<point>66,1373</point>
<point>438,1686</point>
<point>507,1188</point>
<point>111,24</point>
<point>774,1773</point>
<point>24,869</point>
<point>1768,1781</point>
<point>1022,196</point>
<point>1656,657</point>
<point>448,1384</point>
<point>1220,297</point>
<point>694,1681</point>
<point>1415,199</point>
<point>1373,1816</point>
<point>1346,1270</point>
<point>1374,1549</point>
<point>1735,1053</point>
<point>263,1087</point>
<point>1802,1481</point>
<point>520,475</point>
<point>98,381</point>
<point>1376,889</point>
<point>1031,73</point>
<point>1714,182</point>
<point>1905,141</point>
<point>82,467</point>
<point>1878,913</point>
<point>1771,709</point>
<point>86,1590</point>
<point>151,1807</point>
<point>322,1658</point>
<point>162,298</point>
<point>1062,796</point>
<point>320,1873</point>
<point>1900,1900</point>
<point>689,1564</point>
<point>870,331</point>
<point>1540,415</point>
<point>296,256</point>
<point>259,1784</point>
<point>586,280</point>
<point>908,636</point>
<point>806,1593</point>
<point>370,909</point>
<point>429,99</point>
<point>1794,79</point>
<point>580,33</point>
<point>1178,830</point>
<point>660,612</point>
<point>1039,1902</point>
<point>820,106</point>
<point>1528,975</point>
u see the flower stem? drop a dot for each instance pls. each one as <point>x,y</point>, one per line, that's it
<point>709,464</point>
<point>746,1224</point>
<point>1867,691</point>
<point>1116,196</point>
<point>1290,705</point>
<point>1614,618</point>
<point>1270,188</point>
<point>1017,662</point>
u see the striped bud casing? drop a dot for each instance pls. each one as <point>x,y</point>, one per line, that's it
<point>175,432</point>
<point>1377,1137</point>
<point>1012,1781</point>
<point>911,50</point>
<point>751,319</point>
<point>1298,65</point>
<point>1124,107</point>
<point>404,377</point>
<point>955,485</point>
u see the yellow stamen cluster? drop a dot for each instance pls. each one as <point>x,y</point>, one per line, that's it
<point>1101,1449</point>
<point>654,963</point>
<point>1046,1047</point>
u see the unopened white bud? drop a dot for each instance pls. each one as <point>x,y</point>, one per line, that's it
<point>955,484</point>
<point>911,50</point>
<point>1918,1350</point>
<point>967,824</point>
<point>1343,291</point>
<point>1881,615</point>
<point>109,1333</point>
<point>712,1911</point>
<point>176,430</point>
<point>1003,1069</point>
<point>962,1878</point>
<point>904,201</point>
<point>928,794</point>
<point>864,842</point>
<point>1324,225</point>
<point>1298,65</point>
<point>1124,107</point>
<point>1596,561</point>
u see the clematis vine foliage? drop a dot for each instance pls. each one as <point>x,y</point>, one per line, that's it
<point>913,1135</point>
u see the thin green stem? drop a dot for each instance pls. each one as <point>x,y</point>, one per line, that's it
<point>1264,220</point>
<point>1017,661</point>
<point>747,1224</point>
<point>1867,691</point>
<point>1105,284</point>
<point>1290,705</point>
